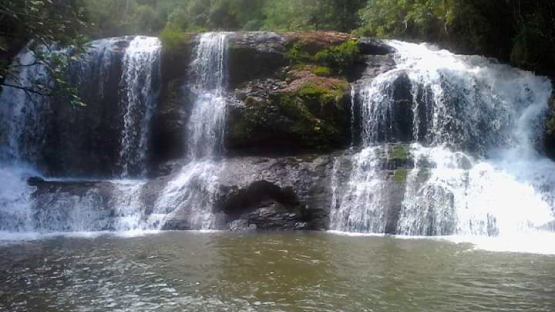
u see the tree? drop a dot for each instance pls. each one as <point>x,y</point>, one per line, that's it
<point>45,22</point>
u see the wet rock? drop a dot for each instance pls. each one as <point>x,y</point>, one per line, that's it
<point>372,46</point>
<point>84,141</point>
<point>263,193</point>
<point>277,193</point>
<point>253,55</point>
<point>396,124</point>
<point>169,120</point>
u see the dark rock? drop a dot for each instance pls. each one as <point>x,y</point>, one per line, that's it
<point>169,120</point>
<point>255,193</point>
<point>371,46</point>
<point>270,216</point>
<point>262,193</point>
<point>402,111</point>
<point>397,122</point>
<point>35,181</point>
<point>85,141</point>
<point>254,55</point>
<point>294,190</point>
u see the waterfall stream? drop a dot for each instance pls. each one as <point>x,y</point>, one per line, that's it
<point>141,65</point>
<point>98,205</point>
<point>442,145</point>
<point>449,148</point>
<point>194,187</point>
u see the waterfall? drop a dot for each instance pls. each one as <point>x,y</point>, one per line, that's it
<point>205,127</point>
<point>21,112</point>
<point>192,191</point>
<point>140,67</point>
<point>123,71</point>
<point>21,136</point>
<point>449,147</point>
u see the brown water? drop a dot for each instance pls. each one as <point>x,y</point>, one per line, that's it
<point>269,272</point>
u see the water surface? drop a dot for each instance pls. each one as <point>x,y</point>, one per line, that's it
<point>186,271</point>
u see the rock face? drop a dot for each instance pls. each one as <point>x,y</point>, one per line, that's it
<point>92,150</point>
<point>288,193</point>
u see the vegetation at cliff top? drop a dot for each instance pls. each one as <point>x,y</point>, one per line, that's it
<point>518,31</point>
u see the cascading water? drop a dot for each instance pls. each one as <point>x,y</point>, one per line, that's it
<point>205,127</point>
<point>21,116</point>
<point>140,71</point>
<point>78,205</point>
<point>22,109</point>
<point>465,155</point>
<point>194,187</point>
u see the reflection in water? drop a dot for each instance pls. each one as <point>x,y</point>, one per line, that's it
<point>268,272</point>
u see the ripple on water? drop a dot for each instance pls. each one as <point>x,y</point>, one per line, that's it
<point>268,272</point>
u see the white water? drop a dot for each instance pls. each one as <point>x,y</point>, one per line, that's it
<point>206,124</point>
<point>191,193</point>
<point>20,138</point>
<point>140,68</point>
<point>118,205</point>
<point>23,125</point>
<point>477,169</point>
<point>189,197</point>
<point>21,111</point>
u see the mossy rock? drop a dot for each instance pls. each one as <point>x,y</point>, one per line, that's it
<point>312,116</point>
<point>336,58</point>
<point>401,176</point>
<point>399,152</point>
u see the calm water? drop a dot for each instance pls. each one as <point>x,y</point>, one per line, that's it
<point>269,272</point>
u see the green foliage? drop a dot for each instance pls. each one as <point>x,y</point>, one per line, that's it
<point>331,60</point>
<point>322,95</point>
<point>146,19</point>
<point>297,55</point>
<point>172,38</point>
<point>520,31</point>
<point>316,112</point>
<point>322,71</point>
<point>44,22</point>
<point>339,57</point>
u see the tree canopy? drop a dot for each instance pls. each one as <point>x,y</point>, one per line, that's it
<point>518,31</point>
